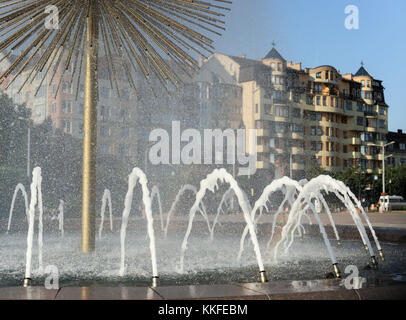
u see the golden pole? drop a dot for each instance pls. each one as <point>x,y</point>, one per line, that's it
<point>90,135</point>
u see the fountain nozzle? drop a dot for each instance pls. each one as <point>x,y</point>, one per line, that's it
<point>366,248</point>
<point>374,262</point>
<point>155,282</point>
<point>337,272</point>
<point>27,282</point>
<point>264,279</point>
<point>381,255</point>
<point>339,244</point>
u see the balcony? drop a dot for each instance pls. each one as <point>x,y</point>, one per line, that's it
<point>298,166</point>
<point>371,114</point>
<point>263,149</point>
<point>263,165</point>
<point>355,141</point>
<point>297,150</point>
<point>356,155</point>
<point>263,132</point>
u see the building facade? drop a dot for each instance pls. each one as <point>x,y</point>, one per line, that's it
<point>307,116</point>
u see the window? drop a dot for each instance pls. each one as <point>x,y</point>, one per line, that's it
<point>105,113</point>
<point>319,159</point>
<point>371,123</point>
<point>268,108</point>
<point>348,105</point>
<point>319,116</point>
<point>66,87</point>
<point>382,124</point>
<point>313,116</point>
<point>324,100</point>
<point>274,143</point>
<point>345,134</point>
<point>363,83</point>
<point>319,131</point>
<point>320,146</point>
<point>318,99</point>
<point>313,146</point>
<point>104,131</point>
<point>326,75</point>
<point>345,149</point>
<point>105,92</point>
<point>296,113</point>
<point>381,110</point>
<point>104,149</point>
<point>53,107</point>
<point>318,75</point>
<point>402,146</point>
<point>124,132</point>
<point>313,131</point>
<point>281,111</point>
<point>359,107</point>
<point>66,107</point>
<point>66,126</point>
<point>360,121</point>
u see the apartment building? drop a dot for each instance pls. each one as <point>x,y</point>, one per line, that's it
<point>398,149</point>
<point>125,116</point>
<point>306,116</point>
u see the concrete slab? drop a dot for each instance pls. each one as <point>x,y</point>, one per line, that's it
<point>107,293</point>
<point>31,293</point>
<point>211,292</point>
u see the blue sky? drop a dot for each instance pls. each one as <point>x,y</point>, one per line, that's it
<point>313,32</point>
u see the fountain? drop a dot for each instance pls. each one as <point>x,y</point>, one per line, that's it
<point>35,201</point>
<point>183,190</point>
<point>210,183</point>
<point>61,217</point>
<point>301,198</point>
<point>106,200</point>
<point>155,194</point>
<point>138,176</point>
<point>19,187</point>
<point>312,190</point>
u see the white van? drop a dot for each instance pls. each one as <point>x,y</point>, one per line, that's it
<point>386,203</point>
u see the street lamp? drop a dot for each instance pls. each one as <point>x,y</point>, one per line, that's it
<point>383,146</point>
<point>28,145</point>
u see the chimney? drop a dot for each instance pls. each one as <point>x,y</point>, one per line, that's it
<point>400,131</point>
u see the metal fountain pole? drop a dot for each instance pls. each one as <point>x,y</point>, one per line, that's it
<point>90,134</point>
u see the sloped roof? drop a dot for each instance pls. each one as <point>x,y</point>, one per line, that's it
<point>362,72</point>
<point>274,54</point>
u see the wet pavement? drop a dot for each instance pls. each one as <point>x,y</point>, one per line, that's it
<point>381,288</point>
